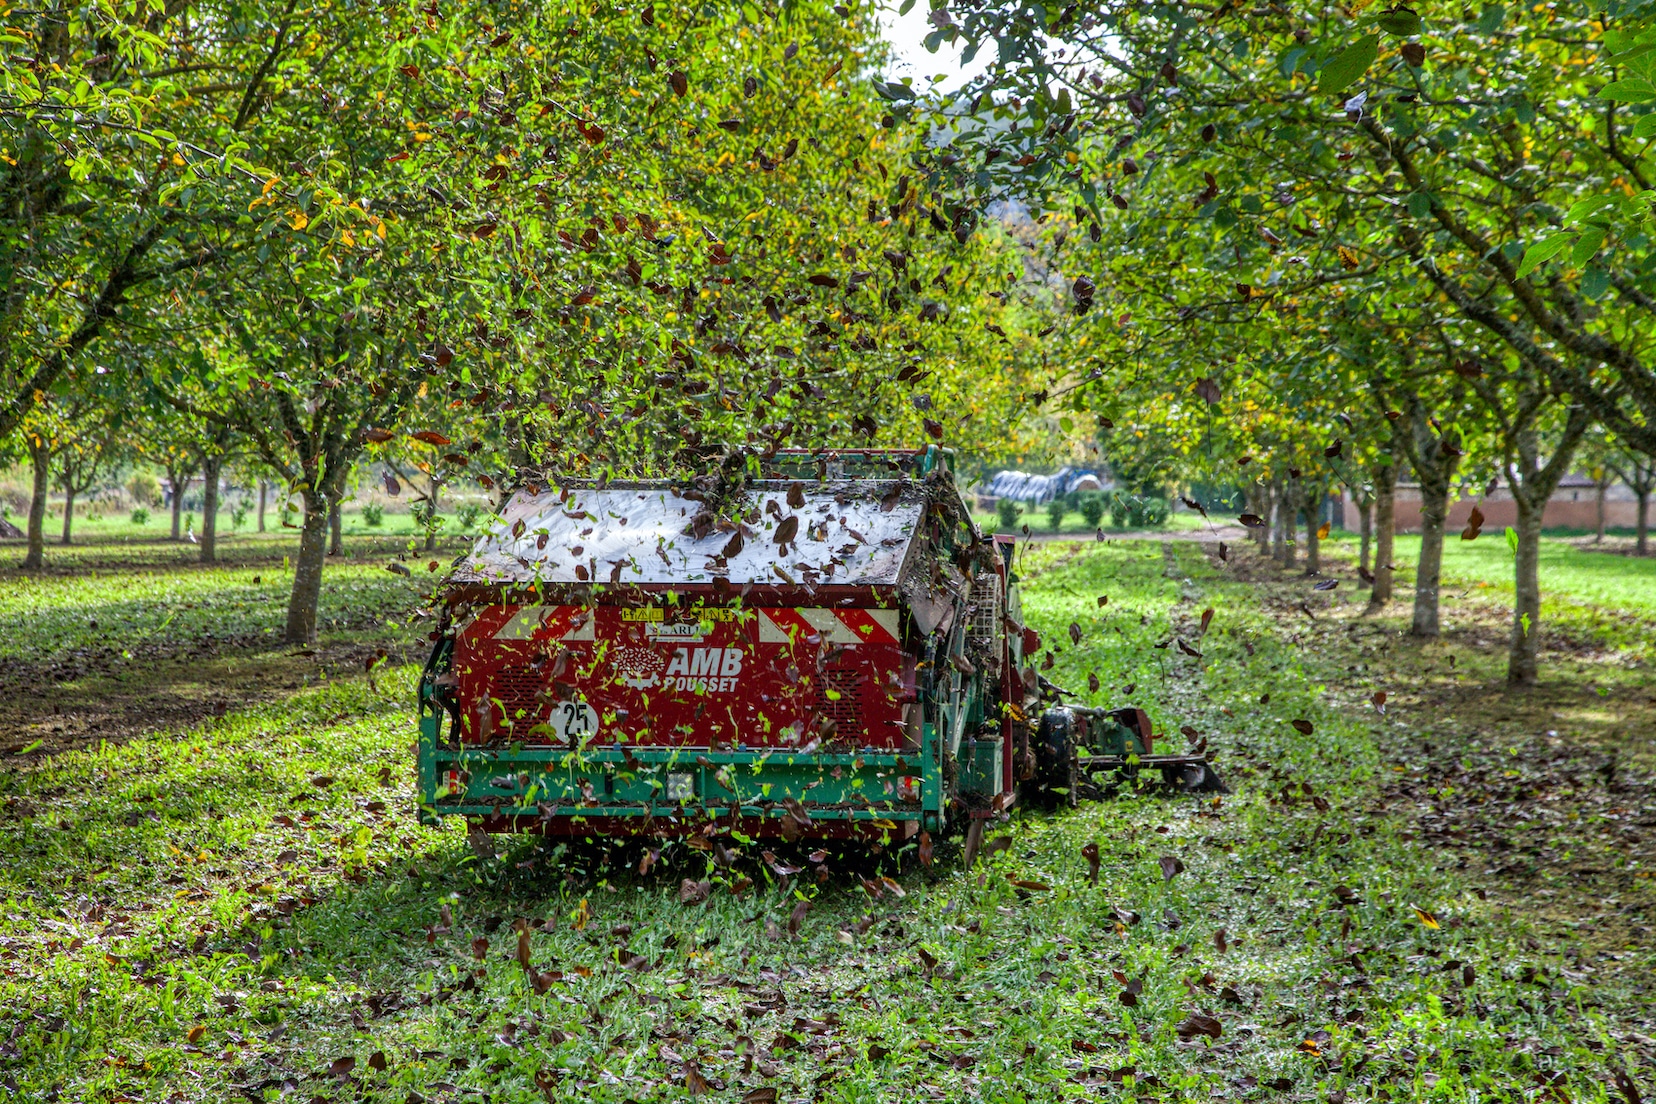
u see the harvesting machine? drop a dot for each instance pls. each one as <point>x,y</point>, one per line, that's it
<point>810,645</point>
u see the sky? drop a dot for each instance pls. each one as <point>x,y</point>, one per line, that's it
<point>905,33</point>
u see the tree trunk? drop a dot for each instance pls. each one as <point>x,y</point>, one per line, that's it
<point>211,466</point>
<point>431,518</point>
<point>1641,541</point>
<point>1526,607</point>
<point>1434,510</point>
<point>176,483</point>
<point>1365,529</point>
<point>307,572</point>
<point>336,539</point>
<point>1259,504</point>
<point>1385,532</point>
<point>35,558</point>
<point>264,490</point>
<point>1275,517</point>
<point>1601,487</point>
<point>1290,518</point>
<point>68,510</point>
<point>1313,542</point>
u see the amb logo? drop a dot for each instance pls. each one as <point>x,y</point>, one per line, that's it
<point>714,670</point>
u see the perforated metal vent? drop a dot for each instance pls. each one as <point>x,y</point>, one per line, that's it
<point>987,628</point>
<point>846,710</point>
<point>519,692</point>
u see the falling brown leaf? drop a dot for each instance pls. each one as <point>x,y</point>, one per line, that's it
<point>1170,867</point>
<point>480,947</point>
<point>925,849</point>
<point>1090,853</point>
<point>1220,942</point>
<point>1207,389</point>
<point>341,1067</point>
<point>1252,521</point>
<point>195,1033</point>
<point>680,81</point>
<point>1075,632</point>
<point>692,892</point>
<point>430,437</point>
<point>1033,887</point>
<point>1303,727</point>
<point>1207,619</point>
<point>797,916</point>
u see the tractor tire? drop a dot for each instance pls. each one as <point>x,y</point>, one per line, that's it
<point>1056,750</point>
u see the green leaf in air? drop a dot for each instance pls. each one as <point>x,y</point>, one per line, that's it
<point>1346,66</point>
<point>1632,90</point>
<point>1399,21</point>
<point>1543,251</point>
<point>1512,541</point>
<point>1592,236</point>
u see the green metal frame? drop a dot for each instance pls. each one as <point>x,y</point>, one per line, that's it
<point>632,781</point>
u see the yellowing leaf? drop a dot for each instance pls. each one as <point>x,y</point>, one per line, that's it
<point>1323,529</point>
<point>195,1033</point>
<point>298,218</point>
<point>1427,918</point>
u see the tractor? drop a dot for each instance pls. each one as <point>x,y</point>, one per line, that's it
<point>805,645</point>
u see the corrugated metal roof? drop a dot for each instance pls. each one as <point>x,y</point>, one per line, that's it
<point>639,533</point>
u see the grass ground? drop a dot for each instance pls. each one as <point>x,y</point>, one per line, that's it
<point>98,527</point>
<point>1447,898</point>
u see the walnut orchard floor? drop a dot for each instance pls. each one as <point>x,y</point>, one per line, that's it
<point>248,908</point>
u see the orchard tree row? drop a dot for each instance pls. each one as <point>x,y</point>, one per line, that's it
<point>477,237</point>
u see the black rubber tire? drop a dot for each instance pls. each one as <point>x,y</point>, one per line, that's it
<point>1055,758</point>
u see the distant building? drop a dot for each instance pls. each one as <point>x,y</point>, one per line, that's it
<point>1574,505</point>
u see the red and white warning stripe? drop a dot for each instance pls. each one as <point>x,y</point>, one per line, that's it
<point>833,626</point>
<point>557,622</point>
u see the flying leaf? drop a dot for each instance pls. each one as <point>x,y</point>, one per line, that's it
<point>430,437</point>
<point>1303,727</point>
<point>1252,521</point>
<point>1207,389</point>
<point>680,82</point>
<point>1343,69</point>
<point>1170,867</point>
<point>1399,21</point>
<point>1427,918</point>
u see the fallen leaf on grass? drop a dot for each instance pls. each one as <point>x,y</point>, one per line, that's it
<point>1198,1024</point>
<point>1303,727</point>
<point>195,1033</point>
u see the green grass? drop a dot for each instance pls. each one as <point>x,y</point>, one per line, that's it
<point>1075,525</point>
<point>226,911</point>
<point>119,526</point>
